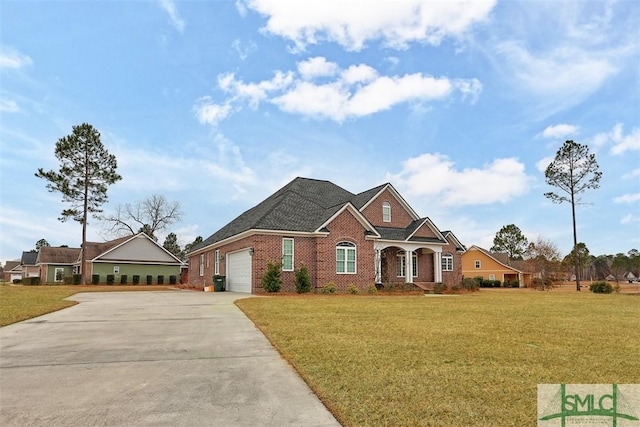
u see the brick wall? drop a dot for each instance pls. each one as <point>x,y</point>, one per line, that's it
<point>345,228</point>
<point>399,216</point>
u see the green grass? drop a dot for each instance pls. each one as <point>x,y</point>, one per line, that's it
<point>19,303</point>
<point>471,360</point>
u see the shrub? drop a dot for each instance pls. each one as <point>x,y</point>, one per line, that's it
<point>601,288</point>
<point>123,279</point>
<point>512,284</point>
<point>271,281</point>
<point>17,281</point>
<point>329,288</point>
<point>31,281</point>
<point>95,279</point>
<point>173,279</point>
<point>110,279</point>
<point>542,284</point>
<point>303,281</point>
<point>372,289</point>
<point>160,279</point>
<point>439,288</point>
<point>77,278</point>
<point>352,289</point>
<point>67,280</point>
<point>136,279</point>
<point>470,284</point>
<point>149,279</point>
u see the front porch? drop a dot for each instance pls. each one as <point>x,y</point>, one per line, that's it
<point>392,266</point>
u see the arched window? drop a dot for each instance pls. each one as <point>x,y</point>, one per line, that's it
<point>345,258</point>
<point>386,212</point>
<point>447,262</point>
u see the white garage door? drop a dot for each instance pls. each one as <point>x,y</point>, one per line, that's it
<point>239,272</point>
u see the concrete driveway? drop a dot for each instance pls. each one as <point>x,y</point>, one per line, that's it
<point>171,358</point>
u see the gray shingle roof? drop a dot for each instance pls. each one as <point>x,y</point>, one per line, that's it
<point>29,258</point>
<point>304,205</point>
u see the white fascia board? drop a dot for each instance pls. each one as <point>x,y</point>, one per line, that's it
<point>398,197</point>
<point>431,226</point>
<point>357,215</point>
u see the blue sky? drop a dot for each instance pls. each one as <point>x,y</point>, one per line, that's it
<point>460,105</point>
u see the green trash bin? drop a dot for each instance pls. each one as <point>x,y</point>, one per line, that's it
<point>218,283</point>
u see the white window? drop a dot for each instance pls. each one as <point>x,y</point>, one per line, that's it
<point>287,254</point>
<point>58,274</point>
<point>116,269</point>
<point>216,265</point>
<point>401,266</point>
<point>202,265</point>
<point>345,258</point>
<point>447,262</point>
<point>477,264</point>
<point>492,277</point>
<point>386,212</point>
<point>207,259</point>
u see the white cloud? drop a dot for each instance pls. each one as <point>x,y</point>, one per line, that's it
<point>316,67</point>
<point>627,198</point>
<point>174,17</point>
<point>435,177</point>
<point>629,219</point>
<point>9,106</point>
<point>209,112</point>
<point>353,23</point>
<point>243,49</point>
<point>620,142</point>
<point>11,58</point>
<point>343,94</point>
<point>567,73</point>
<point>544,163</point>
<point>632,174</point>
<point>560,131</point>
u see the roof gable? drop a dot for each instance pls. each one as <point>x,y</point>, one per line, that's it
<point>500,258</point>
<point>137,248</point>
<point>451,238</point>
<point>373,195</point>
<point>348,207</point>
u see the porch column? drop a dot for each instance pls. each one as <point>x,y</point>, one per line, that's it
<point>437,267</point>
<point>378,265</point>
<point>408,260</point>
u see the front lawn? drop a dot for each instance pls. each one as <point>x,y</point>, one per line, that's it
<point>24,302</point>
<point>470,360</point>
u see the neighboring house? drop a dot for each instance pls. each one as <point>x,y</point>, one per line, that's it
<point>28,263</point>
<point>127,256</point>
<point>12,271</point>
<point>494,266</point>
<point>132,255</point>
<point>342,238</point>
<point>56,263</point>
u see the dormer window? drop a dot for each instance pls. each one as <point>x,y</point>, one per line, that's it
<point>386,212</point>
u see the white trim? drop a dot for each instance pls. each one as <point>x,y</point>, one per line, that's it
<point>129,261</point>
<point>216,262</point>
<point>292,254</point>
<point>55,274</point>
<point>254,231</point>
<point>448,256</point>
<point>135,236</point>
<point>347,249</point>
<point>431,226</point>
<point>398,197</point>
<point>487,253</point>
<point>356,214</point>
<point>386,211</point>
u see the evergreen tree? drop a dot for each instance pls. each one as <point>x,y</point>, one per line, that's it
<point>510,240</point>
<point>86,171</point>
<point>573,171</point>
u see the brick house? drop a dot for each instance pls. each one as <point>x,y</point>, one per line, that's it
<point>345,238</point>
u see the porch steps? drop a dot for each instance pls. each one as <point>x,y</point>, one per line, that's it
<point>425,286</point>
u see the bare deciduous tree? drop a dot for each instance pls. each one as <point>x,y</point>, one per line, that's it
<point>151,215</point>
